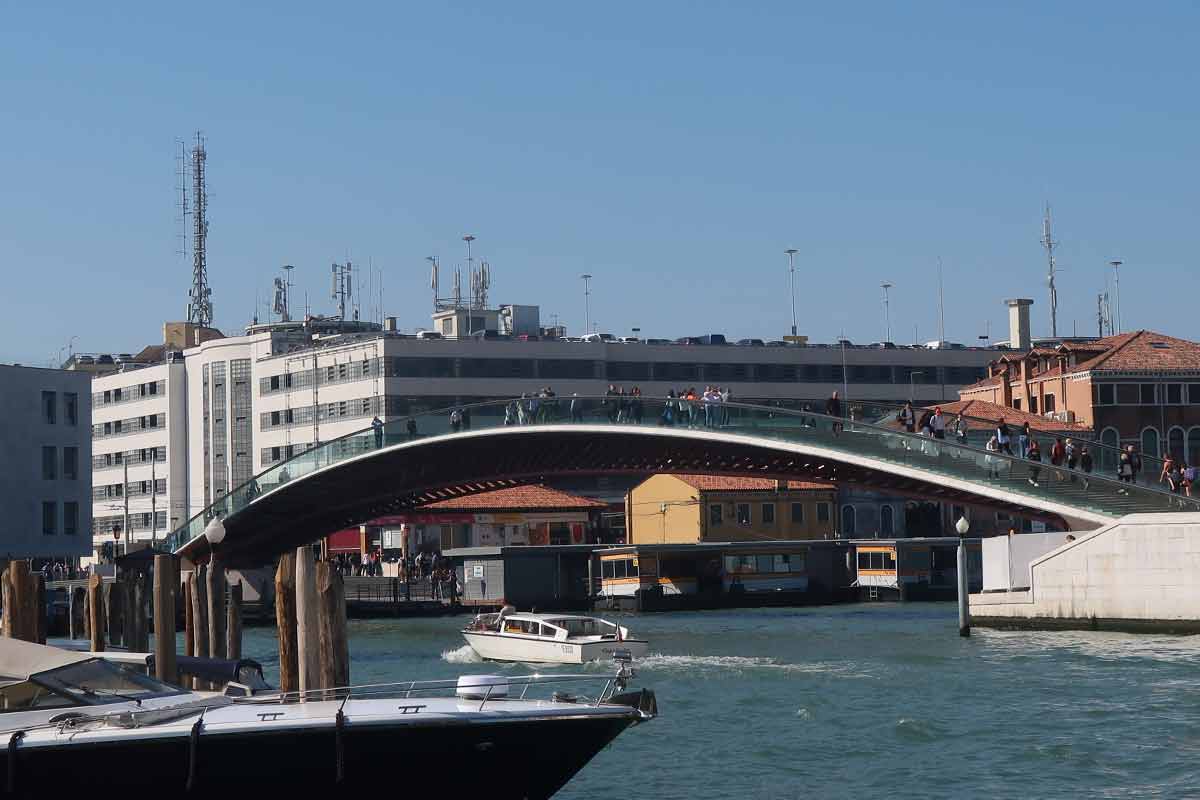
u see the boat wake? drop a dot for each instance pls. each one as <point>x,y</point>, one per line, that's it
<point>662,661</point>
<point>462,655</point>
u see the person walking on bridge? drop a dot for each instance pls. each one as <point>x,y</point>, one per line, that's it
<point>833,408</point>
<point>377,427</point>
<point>1034,455</point>
<point>908,418</point>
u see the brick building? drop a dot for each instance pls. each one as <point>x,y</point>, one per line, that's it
<point>1140,388</point>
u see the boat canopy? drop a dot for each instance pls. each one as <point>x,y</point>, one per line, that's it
<point>19,660</point>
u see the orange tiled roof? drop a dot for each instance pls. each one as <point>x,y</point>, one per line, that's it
<point>516,498</point>
<point>1145,350</point>
<point>988,414</point>
<point>723,483</point>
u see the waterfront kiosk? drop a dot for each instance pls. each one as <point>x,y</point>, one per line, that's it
<point>548,578</point>
<point>922,568</point>
<point>656,577</point>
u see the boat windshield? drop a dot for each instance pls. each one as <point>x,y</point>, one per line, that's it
<point>585,627</point>
<point>98,681</point>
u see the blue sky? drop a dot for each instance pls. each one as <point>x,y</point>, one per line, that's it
<point>673,150</point>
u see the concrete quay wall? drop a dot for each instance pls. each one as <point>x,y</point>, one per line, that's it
<point>1139,573</point>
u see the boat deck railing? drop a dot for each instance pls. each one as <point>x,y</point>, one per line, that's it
<point>488,690</point>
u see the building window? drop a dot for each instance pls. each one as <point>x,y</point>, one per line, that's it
<point>1194,394</point>
<point>71,408</point>
<point>1033,404</point>
<point>1175,443</point>
<point>71,463</point>
<point>743,513</point>
<point>1017,403</point>
<point>1150,442</point>
<point>1104,394</point>
<point>848,521</point>
<point>714,514</point>
<point>1147,393</point>
<point>797,513</point>
<point>49,463</point>
<point>887,521</point>
<point>1174,394</point>
<point>768,513</point>
<point>70,518</point>
<point>822,512</point>
<point>49,518</point>
<point>1049,404</point>
<point>49,400</point>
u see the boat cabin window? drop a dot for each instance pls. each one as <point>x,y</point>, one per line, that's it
<point>583,627</point>
<point>28,695</point>
<point>764,564</point>
<point>530,627</point>
<point>619,568</point>
<point>548,632</point>
<point>876,560</point>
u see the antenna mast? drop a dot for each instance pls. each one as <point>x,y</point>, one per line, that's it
<point>342,288</point>
<point>1049,243</point>
<point>200,310</point>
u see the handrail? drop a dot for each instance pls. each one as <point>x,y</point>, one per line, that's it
<point>884,442</point>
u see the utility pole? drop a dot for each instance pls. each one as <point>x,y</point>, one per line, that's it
<point>125,498</point>
<point>1116,265</point>
<point>1049,243</point>
<point>153,498</point>
<point>791,254</point>
<point>941,309</point>
<point>887,317</point>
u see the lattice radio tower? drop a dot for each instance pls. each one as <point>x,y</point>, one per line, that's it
<point>1049,243</point>
<point>200,309</point>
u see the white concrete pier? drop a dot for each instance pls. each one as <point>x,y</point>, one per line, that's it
<point>1139,573</point>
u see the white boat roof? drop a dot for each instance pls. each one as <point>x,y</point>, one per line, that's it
<point>20,660</point>
<point>549,617</point>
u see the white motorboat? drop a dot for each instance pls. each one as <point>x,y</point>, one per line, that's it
<point>73,717</point>
<point>549,638</point>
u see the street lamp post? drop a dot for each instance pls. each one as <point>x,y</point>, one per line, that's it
<point>912,385</point>
<point>887,316</point>
<point>964,609</point>
<point>587,306</point>
<point>791,254</point>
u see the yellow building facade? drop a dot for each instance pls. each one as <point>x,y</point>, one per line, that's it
<point>681,509</point>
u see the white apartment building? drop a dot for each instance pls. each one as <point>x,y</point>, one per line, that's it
<point>139,453</point>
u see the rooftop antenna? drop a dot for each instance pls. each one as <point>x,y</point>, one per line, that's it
<point>182,181</point>
<point>433,281</point>
<point>1100,313</point>
<point>282,291</point>
<point>200,309</point>
<point>1116,265</point>
<point>342,287</point>
<point>1049,243</point>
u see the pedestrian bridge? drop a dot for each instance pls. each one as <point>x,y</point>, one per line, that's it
<point>347,481</point>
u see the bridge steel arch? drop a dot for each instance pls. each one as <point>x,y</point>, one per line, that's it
<point>410,474</point>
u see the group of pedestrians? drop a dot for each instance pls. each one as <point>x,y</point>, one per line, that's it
<point>1178,475</point>
<point>693,409</point>
<point>539,407</point>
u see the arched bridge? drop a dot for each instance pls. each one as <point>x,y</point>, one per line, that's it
<point>371,473</point>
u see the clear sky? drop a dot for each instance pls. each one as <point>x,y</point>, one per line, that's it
<point>673,150</point>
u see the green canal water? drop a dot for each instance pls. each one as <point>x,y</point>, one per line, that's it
<point>861,700</point>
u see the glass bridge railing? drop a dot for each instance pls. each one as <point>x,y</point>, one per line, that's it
<point>1105,458</point>
<point>854,435</point>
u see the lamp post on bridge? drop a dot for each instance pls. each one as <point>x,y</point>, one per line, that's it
<point>964,610</point>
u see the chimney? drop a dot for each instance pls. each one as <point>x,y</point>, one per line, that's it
<point>389,324</point>
<point>1018,323</point>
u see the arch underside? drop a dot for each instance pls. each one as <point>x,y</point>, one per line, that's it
<point>406,476</point>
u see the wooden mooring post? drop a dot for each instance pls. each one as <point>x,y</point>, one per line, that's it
<point>20,589</point>
<point>285,622</point>
<point>308,638</point>
<point>216,608</point>
<point>189,623</point>
<point>165,580</point>
<point>198,582</point>
<point>78,609</point>
<point>233,622</point>
<point>331,604</point>
<point>95,600</point>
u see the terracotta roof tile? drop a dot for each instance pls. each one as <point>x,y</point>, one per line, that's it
<point>516,498</point>
<point>724,483</point>
<point>988,414</point>
<point>1143,351</point>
